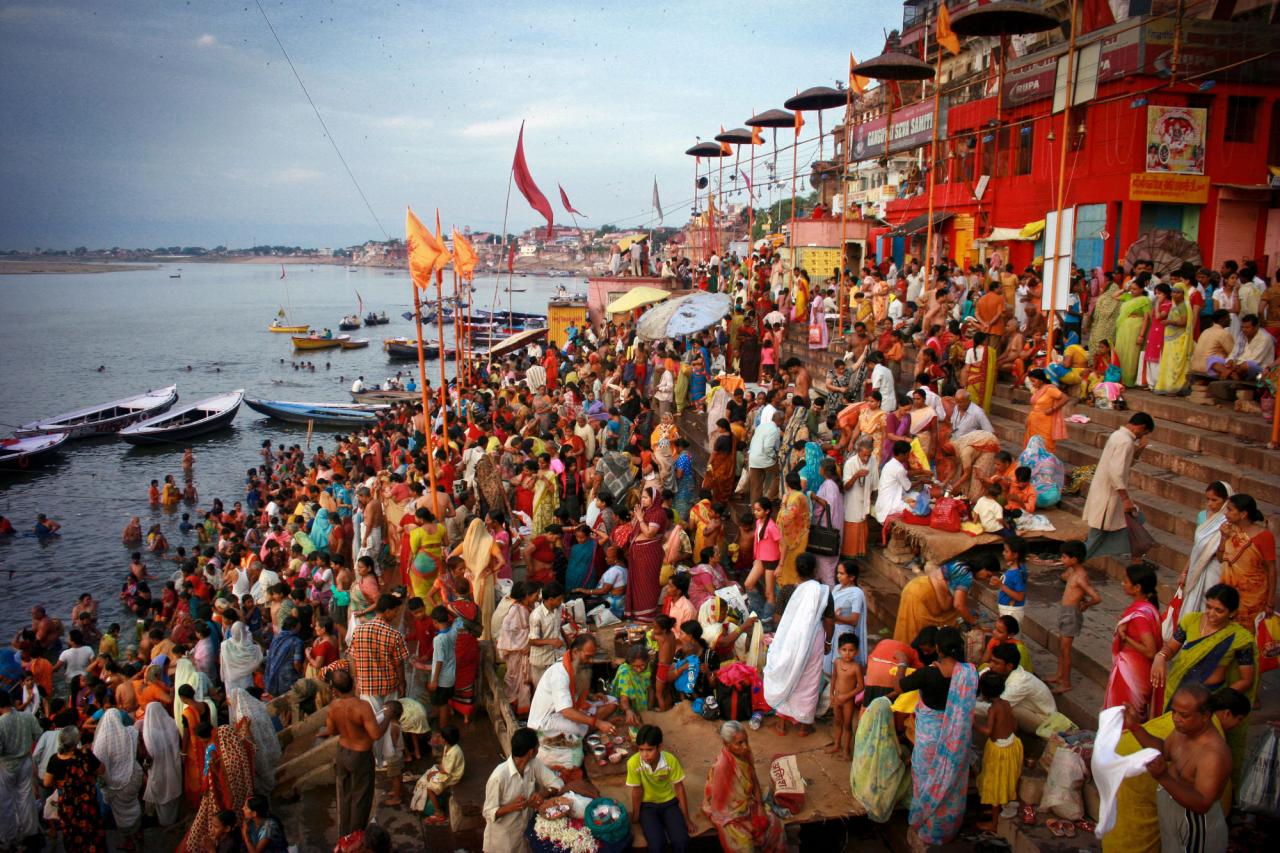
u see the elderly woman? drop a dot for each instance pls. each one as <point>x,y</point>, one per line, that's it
<point>733,800</point>
<point>859,479</point>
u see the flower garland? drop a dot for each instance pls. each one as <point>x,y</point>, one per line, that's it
<point>568,834</point>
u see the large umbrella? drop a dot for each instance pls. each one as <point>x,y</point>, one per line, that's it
<point>636,297</point>
<point>683,315</point>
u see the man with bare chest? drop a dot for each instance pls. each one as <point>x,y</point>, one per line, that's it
<point>1191,774</point>
<point>353,721</point>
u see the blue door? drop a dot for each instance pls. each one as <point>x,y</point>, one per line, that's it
<point>1091,222</point>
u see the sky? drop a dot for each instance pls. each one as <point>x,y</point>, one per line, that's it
<point>143,123</point>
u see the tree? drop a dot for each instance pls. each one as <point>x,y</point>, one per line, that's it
<point>607,229</point>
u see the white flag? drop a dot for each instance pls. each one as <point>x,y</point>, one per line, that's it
<point>657,205</point>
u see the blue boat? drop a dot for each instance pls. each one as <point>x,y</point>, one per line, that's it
<point>320,414</point>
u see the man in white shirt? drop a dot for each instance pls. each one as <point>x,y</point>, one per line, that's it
<point>546,639</point>
<point>75,659</point>
<point>968,416</point>
<point>559,707</point>
<point>1254,352</point>
<point>894,484</point>
<point>762,453</point>
<point>536,377</point>
<point>358,385</point>
<point>515,788</point>
<point>882,381</point>
<point>895,309</point>
<point>1031,698</point>
<point>775,317</point>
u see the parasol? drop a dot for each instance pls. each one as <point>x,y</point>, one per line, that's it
<point>894,65</point>
<point>1166,249</point>
<point>737,136</point>
<point>817,99</point>
<point>1002,18</point>
<point>705,149</point>
<point>683,315</point>
<point>636,297</point>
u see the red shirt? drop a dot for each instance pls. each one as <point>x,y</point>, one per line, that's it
<point>419,634</point>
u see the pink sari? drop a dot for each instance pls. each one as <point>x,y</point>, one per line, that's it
<point>1130,681</point>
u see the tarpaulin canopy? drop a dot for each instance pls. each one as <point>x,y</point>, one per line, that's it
<point>683,315</point>
<point>1032,230</point>
<point>625,242</point>
<point>635,298</point>
<point>919,223</point>
<point>1001,235</point>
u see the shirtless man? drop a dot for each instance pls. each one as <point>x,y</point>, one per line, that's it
<point>1191,773</point>
<point>799,376</point>
<point>370,525</point>
<point>353,721</point>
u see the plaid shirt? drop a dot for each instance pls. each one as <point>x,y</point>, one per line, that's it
<point>377,653</point>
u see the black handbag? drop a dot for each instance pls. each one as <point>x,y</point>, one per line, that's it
<point>824,540</point>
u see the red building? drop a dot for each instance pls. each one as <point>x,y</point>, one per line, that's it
<point>1156,139</point>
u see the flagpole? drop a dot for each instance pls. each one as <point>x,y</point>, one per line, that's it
<point>426,404</point>
<point>795,248</point>
<point>715,232</point>
<point>460,364</point>
<point>444,383</point>
<point>497,278</point>
<point>693,220</point>
<point>933,168</point>
<point>844,201</point>
<point>751,215</point>
<point>1052,313</point>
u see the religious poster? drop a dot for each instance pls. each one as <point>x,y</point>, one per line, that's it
<point>1175,140</point>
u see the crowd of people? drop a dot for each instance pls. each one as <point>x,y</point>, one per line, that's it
<point>367,575</point>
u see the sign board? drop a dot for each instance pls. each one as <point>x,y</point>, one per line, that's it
<point>1176,139</point>
<point>912,127</point>
<point>1057,267</point>
<point>1169,188</point>
<point>1109,58</point>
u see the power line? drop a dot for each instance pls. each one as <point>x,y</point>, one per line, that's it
<point>320,118</point>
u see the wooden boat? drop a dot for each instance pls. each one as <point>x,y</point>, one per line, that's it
<point>372,319</point>
<point>198,418</point>
<point>288,330</point>
<point>357,343</point>
<point>403,349</point>
<point>349,324</point>
<point>106,418</point>
<point>377,396</point>
<point>311,343</point>
<point>18,453</point>
<point>320,414</point>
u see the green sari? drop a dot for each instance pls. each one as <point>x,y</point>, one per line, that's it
<point>878,776</point>
<point>1128,347</point>
<point>1102,323</point>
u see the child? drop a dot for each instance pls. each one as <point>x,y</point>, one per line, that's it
<point>1078,597</point>
<point>444,670</point>
<point>664,638</point>
<point>431,794</point>
<point>153,493</point>
<point>633,684</point>
<point>1002,756</point>
<point>185,527</point>
<point>658,801</point>
<point>110,643</point>
<point>768,552</point>
<point>226,833</point>
<point>846,684</point>
<point>1006,634</point>
<point>1012,585</point>
<point>688,664</point>
<point>768,357</point>
<point>1022,495</point>
<point>1004,471</point>
<point>988,512</point>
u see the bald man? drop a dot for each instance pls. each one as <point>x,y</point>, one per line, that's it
<point>968,416</point>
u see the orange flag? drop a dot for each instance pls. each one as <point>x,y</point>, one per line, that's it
<point>946,37</point>
<point>799,122</point>
<point>757,136</point>
<point>443,259</point>
<point>424,249</point>
<point>857,82</point>
<point>464,256</point>
<point>724,146</point>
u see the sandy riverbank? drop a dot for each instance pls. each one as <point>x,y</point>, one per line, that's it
<point>35,267</point>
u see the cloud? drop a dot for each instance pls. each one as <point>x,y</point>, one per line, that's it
<point>207,40</point>
<point>294,176</point>
<point>403,122</point>
<point>491,129</point>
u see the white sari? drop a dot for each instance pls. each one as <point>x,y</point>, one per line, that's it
<point>266,753</point>
<point>1203,569</point>
<point>164,782</point>
<point>239,657</point>
<point>848,600</point>
<point>793,671</point>
<point>116,746</point>
<point>186,673</point>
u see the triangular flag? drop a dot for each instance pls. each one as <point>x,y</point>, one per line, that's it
<point>464,256</point>
<point>946,37</point>
<point>657,205</point>
<point>757,136</point>
<point>857,82</point>
<point>799,122</point>
<point>564,199</point>
<point>424,249</point>
<point>530,191</point>
<point>444,257</point>
<point>724,146</point>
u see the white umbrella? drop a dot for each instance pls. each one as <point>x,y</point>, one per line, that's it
<point>683,315</point>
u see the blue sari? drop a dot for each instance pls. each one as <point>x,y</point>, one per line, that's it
<point>320,530</point>
<point>811,470</point>
<point>940,760</point>
<point>581,557</point>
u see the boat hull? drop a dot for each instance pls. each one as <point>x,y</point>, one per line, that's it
<point>17,454</point>
<point>289,330</point>
<point>305,343</point>
<point>359,343</point>
<point>385,396</point>
<point>348,327</point>
<point>339,415</point>
<point>199,418</point>
<point>106,419</point>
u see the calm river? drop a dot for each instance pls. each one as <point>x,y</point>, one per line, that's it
<point>206,332</point>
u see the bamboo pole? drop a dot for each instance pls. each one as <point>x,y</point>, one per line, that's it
<point>444,383</point>
<point>751,218</point>
<point>933,162</point>
<point>791,238</point>
<point>844,207</point>
<point>1052,314</point>
<point>426,402</point>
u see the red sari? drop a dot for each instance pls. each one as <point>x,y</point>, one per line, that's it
<point>466,655</point>
<point>645,561</point>
<point>1130,680</point>
<point>228,784</point>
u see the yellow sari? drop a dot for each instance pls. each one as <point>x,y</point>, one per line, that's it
<point>980,378</point>
<point>793,523</point>
<point>1175,358</point>
<point>546,498</point>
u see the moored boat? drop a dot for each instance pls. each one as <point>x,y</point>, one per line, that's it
<point>379,396</point>
<point>403,349</point>
<point>20,453</point>
<point>310,342</point>
<point>353,343</point>
<point>105,418</point>
<point>372,319</point>
<point>198,418</point>
<point>288,330</point>
<point>323,414</point>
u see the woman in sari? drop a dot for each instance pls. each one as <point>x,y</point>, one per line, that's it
<point>850,605</point>
<point>819,336</point>
<point>1248,556</point>
<point>1131,320</point>
<point>800,298</point>
<point>1134,643</point>
<point>164,778</point>
<point>878,775</point>
<point>872,422</point>
<point>363,594</point>
<point>1047,473</point>
<point>860,474</point>
<point>1045,418</point>
<point>704,579</point>
<point>239,658</point>
<point>645,557</point>
<point>733,800</point>
<point>546,496</point>
<point>937,598</point>
<point>682,386</point>
<point>662,442</point>
<point>513,647</point>
<point>524,483</point>
<point>807,462</point>
<point>581,559</point>
<point>793,523</point>
<point>684,481</point>
<point>321,529</point>
<point>1069,373</point>
<point>828,510</point>
<point>115,743</point>
<point>719,479</point>
<point>266,744</point>
<point>482,558</point>
<point>924,423</point>
<point>897,427</point>
<point>228,784</point>
<point>748,353</point>
<point>1102,316</point>
<point>73,771</point>
<point>980,371</point>
<point>466,655</point>
<point>1203,569</point>
<point>1152,337</point>
<point>943,735</point>
<point>701,515</point>
<point>1179,341</point>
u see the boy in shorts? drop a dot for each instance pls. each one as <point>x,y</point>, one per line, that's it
<point>1078,597</point>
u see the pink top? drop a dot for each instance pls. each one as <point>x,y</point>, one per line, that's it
<point>768,540</point>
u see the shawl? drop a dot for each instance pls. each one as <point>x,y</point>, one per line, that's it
<point>1203,570</point>
<point>788,655</point>
<point>1110,769</point>
<point>878,776</point>
<point>116,746</point>
<point>239,656</point>
<point>160,735</point>
<point>477,549</point>
<point>186,673</point>
<point>266,751</point>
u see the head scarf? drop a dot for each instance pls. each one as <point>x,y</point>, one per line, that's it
<point>116,746</point>
<point>477,546</point>
<point>240,655</point>
<point>160,735</point>
<point>186,673</point>
<point>266,752</point>
<point>320,530</point>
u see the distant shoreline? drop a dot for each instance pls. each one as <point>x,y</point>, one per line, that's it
<point>31,267</point>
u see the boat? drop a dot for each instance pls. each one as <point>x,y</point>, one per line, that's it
<point>403,349</point>
<point>516,289</point>
<point>350,323</point>
<point>106,418</point>
<point>372,319</point>
<point>512,343</point>
<point>17,453</point>
<point>288,330</point>
<point>198,418</point>
<point>353,343</point>
<point>374,395</point>
<point>321,414</point>
<point>313,342</point>
<point>176,276</point>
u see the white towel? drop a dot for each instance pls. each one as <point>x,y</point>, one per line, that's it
<point>1110,769</point>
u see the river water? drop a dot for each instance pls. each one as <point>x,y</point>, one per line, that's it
<point>206,332</point>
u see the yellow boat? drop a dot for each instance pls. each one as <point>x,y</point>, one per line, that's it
<point>289,330</point>
<point>308,342</point>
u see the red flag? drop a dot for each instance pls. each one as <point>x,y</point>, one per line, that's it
<point>564,199</point>
<point>511,258</point>
<point>528,188</point>
<point>1096,14</point>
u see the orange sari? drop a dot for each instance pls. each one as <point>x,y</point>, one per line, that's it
<point>1244,566</point>
<point>1050,427</point>
<point>793,523</point>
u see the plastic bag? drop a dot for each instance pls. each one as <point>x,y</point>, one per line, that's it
<point>1062,787</point>
<point>1260,781</point>
<point>1140,541</point>
<point>601,615</point>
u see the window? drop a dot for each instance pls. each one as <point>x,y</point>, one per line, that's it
<point>1025,138</point>
<point>1242,118</point>
<point>1002,152</point>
